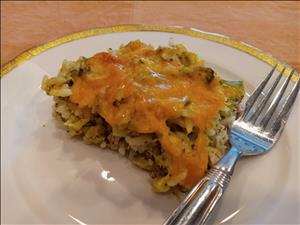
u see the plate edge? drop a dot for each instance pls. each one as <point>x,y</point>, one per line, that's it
<point>192,32</point>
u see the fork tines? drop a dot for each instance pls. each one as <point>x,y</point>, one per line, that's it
<point>261,108</point>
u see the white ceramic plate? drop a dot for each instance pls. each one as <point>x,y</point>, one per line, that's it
<point>47,177</point>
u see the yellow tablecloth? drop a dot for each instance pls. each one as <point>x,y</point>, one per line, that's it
<point>271,26</point>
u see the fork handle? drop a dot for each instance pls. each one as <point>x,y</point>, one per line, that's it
<point>199,203</point>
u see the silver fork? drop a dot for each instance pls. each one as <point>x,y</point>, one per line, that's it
<point>253,133</point>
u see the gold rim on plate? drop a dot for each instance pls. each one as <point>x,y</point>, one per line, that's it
<point>192,32</point>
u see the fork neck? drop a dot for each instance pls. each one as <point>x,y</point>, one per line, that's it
<point>229,160</point>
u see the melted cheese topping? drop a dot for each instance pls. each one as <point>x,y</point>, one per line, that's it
<point>139,88</point>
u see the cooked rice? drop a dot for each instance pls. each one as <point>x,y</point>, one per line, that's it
<point>144,150</point>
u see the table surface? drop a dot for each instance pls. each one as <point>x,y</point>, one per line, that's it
<point>273,27</point>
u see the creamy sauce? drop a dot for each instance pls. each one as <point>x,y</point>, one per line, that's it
<point>141,96</point>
